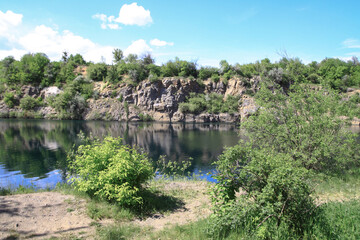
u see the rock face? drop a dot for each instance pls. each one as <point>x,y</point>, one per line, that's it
<point>160,100</point>
<point>50,91</point>
<point>156,100</point>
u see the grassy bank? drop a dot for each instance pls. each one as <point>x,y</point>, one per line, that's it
<point>181,208</point>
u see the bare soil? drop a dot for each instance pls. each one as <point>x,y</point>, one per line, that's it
<point>48,215</point>
<point>42,216</point>
<point>196,206</point>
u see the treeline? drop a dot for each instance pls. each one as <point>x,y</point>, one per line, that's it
<point>37,69</point>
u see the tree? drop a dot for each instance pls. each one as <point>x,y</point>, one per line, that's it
<point>97,72</point>
<point>9,70</point>
<point>32,67</point>
<point>118,55</point>
<point>292,137</point>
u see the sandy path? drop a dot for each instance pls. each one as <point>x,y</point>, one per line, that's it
<point>52,214</point>
<point>196,206</point>
<point>43,215</point>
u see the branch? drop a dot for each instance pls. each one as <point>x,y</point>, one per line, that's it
<point>272,215</point>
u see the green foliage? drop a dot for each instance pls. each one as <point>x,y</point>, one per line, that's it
<point>72,102</point>
<point>145,117</point>
<point>196,103</point>
<point>215,77</point>
<point>113,76</point>
<point>118,55</point>
<point>78,60</point>
<point>28,103</point>
<point>291,137</point>
<point>305,124</point>
<point>275,194</point>
<point>167,168</point>
<point>9,99</point>
<point>179,68</point>
<point>212,103</point>
<point>111,171</point>
<point>32,67</point>
<point>9,70</point>
<point>97,72</point>
<point>207,72</point>
<point>126,107</point>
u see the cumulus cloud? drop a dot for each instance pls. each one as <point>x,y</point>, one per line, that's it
<point>106,22</point>
<point>46,40</point>
<point>9,20</point>
<point>351,43</point>
<point>134,15</point>
<point>138,47</point>
<point>53,43</point>
<point>159,43</point>
<point>130,14</point>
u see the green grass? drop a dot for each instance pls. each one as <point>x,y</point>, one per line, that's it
<point>126,231</point>
<point>21,189</point>
<point>338,188</point>
<point>340,211</point>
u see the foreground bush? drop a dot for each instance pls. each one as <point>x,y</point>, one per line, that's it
<point>111,170</point>
<point>274,194</point>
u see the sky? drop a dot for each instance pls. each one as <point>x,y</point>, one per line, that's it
<point>197,30</point>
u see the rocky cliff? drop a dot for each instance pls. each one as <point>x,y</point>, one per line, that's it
<point>156,100</point>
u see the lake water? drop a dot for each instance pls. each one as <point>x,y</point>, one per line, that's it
<point>33,152</point>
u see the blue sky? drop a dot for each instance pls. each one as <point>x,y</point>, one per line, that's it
<point>202,31</point>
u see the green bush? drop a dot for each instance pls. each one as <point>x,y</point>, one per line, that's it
<point>97,72</point>
<point>145,117</point>
<point>9,99</point>
<point>212,103</point>
<point>275,194</point>
<point>28,103</point>
<point>112,171</point>
<point>215,77</point>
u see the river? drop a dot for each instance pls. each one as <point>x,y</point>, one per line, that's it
<point>33,152</point>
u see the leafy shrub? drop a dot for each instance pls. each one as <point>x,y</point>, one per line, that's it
<point>28,103</point>
<point>306,124</point>
<point>212,103</point>
<point>275,194</point>
<point>215,77</point>
<point>196,104</point>
<point>9,99</point>
<point>97,72</point>
<point>145,117</point>
<point>207,72</point>
<point>111,170</point>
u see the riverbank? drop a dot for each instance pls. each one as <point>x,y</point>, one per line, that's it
<point>58,215</point>
<point>66,214</point>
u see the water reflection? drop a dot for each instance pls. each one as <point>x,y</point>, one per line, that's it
<point>34,151</point>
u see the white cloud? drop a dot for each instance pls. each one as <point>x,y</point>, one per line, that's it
<point>16,53</point>
<point>130,14</point>
<point>9,20</point>
<point>138,47</point>
<point>134,15</point>
<point>113,26</point>
<point>351,43</point>
<point>106,22</point>
<point>46,40</point>
<point>100,16</point>
<point>53,43</point>
<point>159,43</point>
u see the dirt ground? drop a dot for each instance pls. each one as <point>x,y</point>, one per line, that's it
<point>51,214</point>
<point>42,216</point>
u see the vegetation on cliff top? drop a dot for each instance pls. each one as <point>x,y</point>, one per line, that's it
<point>76,76</point>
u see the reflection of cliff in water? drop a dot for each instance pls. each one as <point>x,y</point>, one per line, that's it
<point>36,147</point>
<point>203,142</point>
